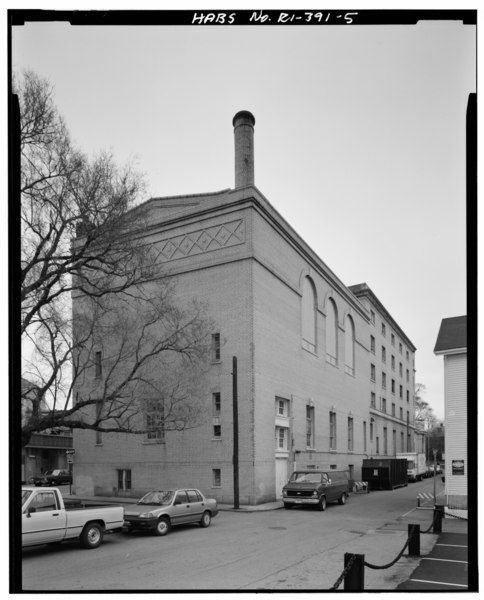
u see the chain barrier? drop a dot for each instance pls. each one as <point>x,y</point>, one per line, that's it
<point>390,564</point>
<point>436,516</point>
<point>370,566</point>
<point>344,573</point>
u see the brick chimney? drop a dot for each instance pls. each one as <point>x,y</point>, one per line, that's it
<point>243,123</point>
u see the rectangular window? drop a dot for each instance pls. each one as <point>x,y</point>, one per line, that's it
<point>350,434</point>
<point>408,396</point>
<point>401,413</point>
<point>282,407</point>
<point>217,431</point>
<point>98,357</point>
<point>372,316</point>
<point>383,354</point>
<point>332,431</point>
<point>373,400</point>
<point>393,386</point>
<point>310,426</point>
<point>385,440</point>
<point>377,445</point>
<point>393,339</point>
<point>281,438</point>
<point>407,355</point>
<point>384,405</point>
<point>373,373</point>
<point>216,478</point>
<point>394,442</point>
<point>216,347</point>
<point>393,363</point>
<point>384,381</point>
<point>155,420</point>
<point>408,376</point>
<point>402,442</point>
<point>372,344</point>
<point>408,417</point>
<point>364,436</point>
<point>124,479</point>
<point>216,404</point>
<point>400,370</point>
<point>383,329</point>
<point>401,392</point>
<point>400,348</point>
<point>393,409</point>
<point>409,443</point>
<point>371,431</point>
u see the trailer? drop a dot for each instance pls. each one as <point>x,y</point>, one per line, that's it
<point>416,465</point>
<point>384,473</point>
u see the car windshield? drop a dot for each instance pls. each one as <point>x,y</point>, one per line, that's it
<point>306,477</point>
<point>25,495</point>
<point>48,473</point>
<point>157,497</point>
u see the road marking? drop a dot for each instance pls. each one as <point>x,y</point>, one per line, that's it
<point>446,560</point>
<point>440,583</point>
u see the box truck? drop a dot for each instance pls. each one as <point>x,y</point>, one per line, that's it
<point>416,465</point>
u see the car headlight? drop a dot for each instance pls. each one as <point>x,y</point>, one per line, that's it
<point>315,493</point>
<point>284,492</point>
<point>147,515</point>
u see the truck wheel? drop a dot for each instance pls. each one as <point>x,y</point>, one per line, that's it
<point>206,519</point>
<point>92,535</point>
<point>342,500</point>
<point>322,503</point>
<point>163,526</point>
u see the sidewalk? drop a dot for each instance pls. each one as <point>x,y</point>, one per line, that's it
<point>121,500</point>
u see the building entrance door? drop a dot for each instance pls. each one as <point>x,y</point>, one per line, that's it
<point>281,475</point>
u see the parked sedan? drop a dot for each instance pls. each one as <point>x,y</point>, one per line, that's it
<point>54,477</point>
<point>160,510</point>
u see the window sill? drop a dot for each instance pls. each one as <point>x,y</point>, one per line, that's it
<point>152,442</point>
<point>216,439</point>
<point>216,361</point>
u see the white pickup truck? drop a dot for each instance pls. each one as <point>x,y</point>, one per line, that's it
<point>46,519</point>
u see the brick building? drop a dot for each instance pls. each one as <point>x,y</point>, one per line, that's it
<point>307,388</point>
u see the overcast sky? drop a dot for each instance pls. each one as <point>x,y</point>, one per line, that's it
<point>359,138</point>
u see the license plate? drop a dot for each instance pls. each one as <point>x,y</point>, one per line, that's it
<point>298,501</point>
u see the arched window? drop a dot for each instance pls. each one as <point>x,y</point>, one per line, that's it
<point>309,315</point>
<point>331,333</point>
<point>349,346</point>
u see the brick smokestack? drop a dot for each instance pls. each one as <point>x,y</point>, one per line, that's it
<point>243,123</point>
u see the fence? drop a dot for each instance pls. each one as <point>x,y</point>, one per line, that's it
<point>353,573</point>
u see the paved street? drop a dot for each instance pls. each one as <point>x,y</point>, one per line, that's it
<point>298,549</point>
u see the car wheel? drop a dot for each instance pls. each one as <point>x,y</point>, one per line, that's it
<point>287,505</point>
<point>92,535</point>
<point>206,519</point>
<point>342,500</point>
<point>163,526</point>
<point>322,503</point>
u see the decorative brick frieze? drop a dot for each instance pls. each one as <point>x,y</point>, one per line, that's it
<point>203,240</point>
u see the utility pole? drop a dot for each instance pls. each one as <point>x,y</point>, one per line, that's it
<point>236,432</point>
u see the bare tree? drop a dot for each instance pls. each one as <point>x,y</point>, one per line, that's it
<point>80,225</point>
<point>425,420</point>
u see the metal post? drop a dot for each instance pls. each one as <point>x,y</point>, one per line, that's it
<point>236,432</point>
<point>413,540</point>
<point>435,474</point>
<point>355,577</point>
<point>438,514</point>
